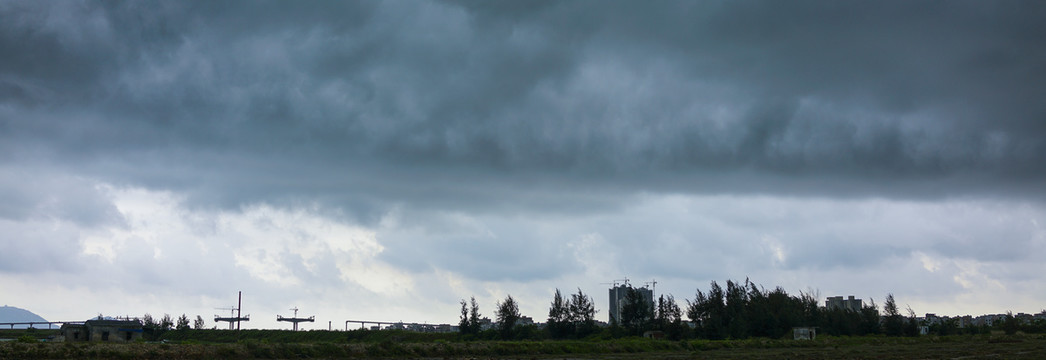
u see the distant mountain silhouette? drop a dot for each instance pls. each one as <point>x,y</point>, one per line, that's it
<point>13,314</point>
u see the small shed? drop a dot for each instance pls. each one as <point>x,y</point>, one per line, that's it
<point>804,333</point>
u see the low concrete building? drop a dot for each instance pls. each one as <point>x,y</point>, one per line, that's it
<point>103,330</point>
<point>74,332</point>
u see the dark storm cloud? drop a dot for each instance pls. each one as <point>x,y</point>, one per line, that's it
<point>367,103</point>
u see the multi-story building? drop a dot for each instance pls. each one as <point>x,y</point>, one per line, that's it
<point>525,321</point>
<point>965,321</point>
<point>932,319</point>
<point>619,295</point>
<point>837,302</point>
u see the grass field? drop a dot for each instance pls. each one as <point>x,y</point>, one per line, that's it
<point>927,347</point>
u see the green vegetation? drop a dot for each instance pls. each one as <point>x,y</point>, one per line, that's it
<point>469,323</point>
<point>39,334</point>
<point>635,313</point>
<point>383,344</point>
<point>313,336</point>
<point>571,319</point>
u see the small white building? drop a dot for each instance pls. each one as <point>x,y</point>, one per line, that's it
<point>804,333</point>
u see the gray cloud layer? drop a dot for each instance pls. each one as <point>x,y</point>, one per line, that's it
<point>372,102</point>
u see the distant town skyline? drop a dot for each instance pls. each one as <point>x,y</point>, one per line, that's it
<point>382,160</point>
<point>18,318</point>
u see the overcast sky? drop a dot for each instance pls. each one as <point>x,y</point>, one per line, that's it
<point>382,160</point>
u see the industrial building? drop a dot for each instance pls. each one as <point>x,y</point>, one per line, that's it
<point>837,302</point>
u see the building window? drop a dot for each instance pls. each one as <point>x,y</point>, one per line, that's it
<point>128,337</point>
<point>105,336</point>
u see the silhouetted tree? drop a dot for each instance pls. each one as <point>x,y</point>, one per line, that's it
<point>474,326</point>
<point>893,324</point>
<point>810,311</point>
<point>636,312</point>
<point>709,312</point>
<point>166,323</point>
<point>870,322</point>
<point>198,324</point>
<point>945,327</point>
<point>1010,324</point>
<point>736,306</point>
<point>772,313</point>
<point>183,323</point>
<point>582,314</point>
<point>559,325</point>
<point>469,321</point>
<point>463,322</point>
<point>665,312</point>
<point>507,316</point>
<point>762,321</point>
<point>148,322</point>
<point>699,313</point>
<point>745,310</point>
<point>911,324</point>
<point>839,321</point>
<point>668,317</point>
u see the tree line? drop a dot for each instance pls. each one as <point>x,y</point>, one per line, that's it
<point>154,329</point>
<point>740,310</point>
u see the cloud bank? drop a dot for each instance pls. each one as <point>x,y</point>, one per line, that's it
<point>443,149</point>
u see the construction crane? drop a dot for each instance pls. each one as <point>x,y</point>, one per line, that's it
<point>615,282</point>
<point>296,319</point>
<point>652,283</point>
<point>231,310</point>
<point>234,314</point>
